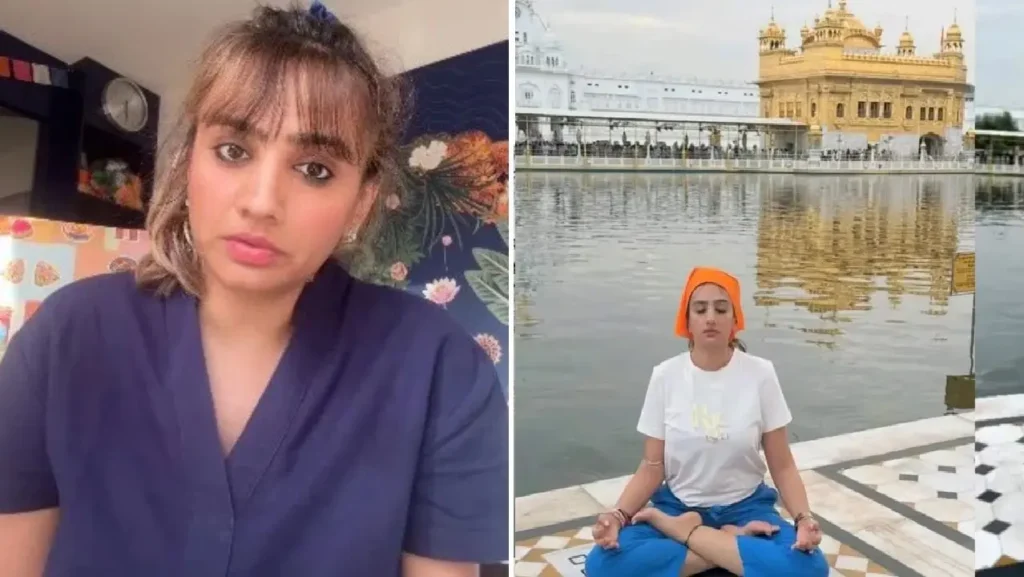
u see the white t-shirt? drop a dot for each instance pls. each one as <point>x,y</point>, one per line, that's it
<point>712,424</point>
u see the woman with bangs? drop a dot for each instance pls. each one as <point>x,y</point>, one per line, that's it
<point>698,502</point>
<point>242,406</point>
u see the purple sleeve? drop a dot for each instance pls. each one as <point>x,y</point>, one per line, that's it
<point>26,479</point>
<point>460,503</point>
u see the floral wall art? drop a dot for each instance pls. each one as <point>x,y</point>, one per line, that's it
<point>448,238</point>
<point>445,239</point>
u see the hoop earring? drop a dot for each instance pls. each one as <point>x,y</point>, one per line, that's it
<point>188,236</point>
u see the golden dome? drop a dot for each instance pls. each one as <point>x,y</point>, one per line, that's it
<point>773,29</point>
<point>906,38</point>
<point>853,23</point>
<point>953,31</point>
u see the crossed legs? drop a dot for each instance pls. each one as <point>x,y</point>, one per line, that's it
<point>708,547</point>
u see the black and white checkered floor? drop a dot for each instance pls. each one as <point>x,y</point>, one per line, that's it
<point>999,508</point>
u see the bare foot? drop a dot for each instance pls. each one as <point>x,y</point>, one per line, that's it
<point>678,528</point>
<point>759,528</point>
<point>732,530</point>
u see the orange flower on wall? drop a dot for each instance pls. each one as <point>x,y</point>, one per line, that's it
<point>481,166</point>
<point>446,182</point>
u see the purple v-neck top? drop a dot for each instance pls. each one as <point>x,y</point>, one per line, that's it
<point>383,430</point>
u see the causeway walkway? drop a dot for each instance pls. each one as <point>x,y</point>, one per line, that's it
<point>893,501</point>
<point>762,165</point>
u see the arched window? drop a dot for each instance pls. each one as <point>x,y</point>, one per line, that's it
<point>909,113</point>
<point>814,110</point>
<point>840,110</point>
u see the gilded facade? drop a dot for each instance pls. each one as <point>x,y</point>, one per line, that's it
<point>851,94</point>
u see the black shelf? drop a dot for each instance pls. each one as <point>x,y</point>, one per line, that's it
<point>72,124</point>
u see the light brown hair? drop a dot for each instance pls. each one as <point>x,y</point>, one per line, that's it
<point>243,78</point>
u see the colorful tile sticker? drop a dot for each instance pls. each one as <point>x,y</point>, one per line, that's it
<point>39,256</point>
<point>22,70</point>
<point>41,74</point>
<point>30,309</point>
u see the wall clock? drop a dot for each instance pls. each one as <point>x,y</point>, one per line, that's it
<point>125,105</point>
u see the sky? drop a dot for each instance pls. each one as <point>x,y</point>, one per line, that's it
<point>718,39</point>
<point>1000,54</point>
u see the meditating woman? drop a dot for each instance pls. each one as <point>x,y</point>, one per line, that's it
<point>242,406</point>
<point>706,416</point>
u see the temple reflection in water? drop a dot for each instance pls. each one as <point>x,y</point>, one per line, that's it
<point>830,245</point>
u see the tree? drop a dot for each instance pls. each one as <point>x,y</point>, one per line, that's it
<point>994,145</point>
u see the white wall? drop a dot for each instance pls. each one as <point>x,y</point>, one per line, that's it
<point>412,34</point>
<point>18,138</point>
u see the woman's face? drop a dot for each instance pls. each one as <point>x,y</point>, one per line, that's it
<point>711,318</point>
<point>268,207</point>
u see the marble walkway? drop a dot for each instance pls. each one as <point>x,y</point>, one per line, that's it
<point>999,480</point>
<point>896,500</point>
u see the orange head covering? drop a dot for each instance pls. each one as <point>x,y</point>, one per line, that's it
<point>705,275</point>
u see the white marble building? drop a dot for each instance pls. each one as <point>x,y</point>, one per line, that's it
<point>544,80</point>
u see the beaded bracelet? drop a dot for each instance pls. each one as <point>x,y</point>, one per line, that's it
<point>800,517</point>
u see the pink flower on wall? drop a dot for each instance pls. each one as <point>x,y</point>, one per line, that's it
<point>399,271</point>
<point>490,345</point>
<point>441,291</point>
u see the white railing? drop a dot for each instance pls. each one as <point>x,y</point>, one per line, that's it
<point>763,165</point>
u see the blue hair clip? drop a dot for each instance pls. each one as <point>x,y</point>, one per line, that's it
<point>320,12</point>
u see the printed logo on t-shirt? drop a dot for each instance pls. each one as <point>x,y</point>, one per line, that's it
<point>709,423</point>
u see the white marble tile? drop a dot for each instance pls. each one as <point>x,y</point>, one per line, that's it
<point>987,550</point>
<point>521,551</point>
<point>849,563</point>
<point>1001,455</point>
<point>980,484</point>
<point>569,562</point>
<point>608,491</point>
<point>528,568</point>
<point>872,474</point>
<point>829,546</point>
<point>950,482</point>
<point>1010,508</point>
<point>585,533</point>
<point>968,416</point>
<point>966,527</point>
<point>948,457</point>
<point>946,510</point>
<point>843,506</point>
<point>873,442</point>
<point>1001,407</point>
<point>916,547</point>
<point>542,509</point>
<point>983,513</point>
<point>551,542</point>
<point>909,466</point>
<point>998,434</point>
<point>1012,541</point>
<point>1006,479</point>
<point>908,491</point>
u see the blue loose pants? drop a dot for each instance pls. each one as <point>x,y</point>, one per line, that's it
<point>647,552</point>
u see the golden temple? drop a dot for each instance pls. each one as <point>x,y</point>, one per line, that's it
<point>851,94</point>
